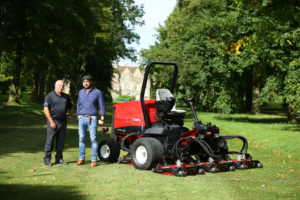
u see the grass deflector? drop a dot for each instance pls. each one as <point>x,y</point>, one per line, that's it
<point>153,134</point>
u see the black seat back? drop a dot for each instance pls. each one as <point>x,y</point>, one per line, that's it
<point>165,106</point>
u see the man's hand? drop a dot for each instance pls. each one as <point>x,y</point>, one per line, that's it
<point>48,116</point>
<point>53,125</point>
<point>71,111</point>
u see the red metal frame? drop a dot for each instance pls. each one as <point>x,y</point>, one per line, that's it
<point>130,113</point>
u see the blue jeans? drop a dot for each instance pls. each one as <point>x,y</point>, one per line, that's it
<point>83,125</point>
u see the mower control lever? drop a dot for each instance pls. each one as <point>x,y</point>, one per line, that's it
<point>189,101</point>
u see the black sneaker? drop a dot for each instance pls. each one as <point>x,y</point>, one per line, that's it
<point>61,161</point>
<point>48,163</point>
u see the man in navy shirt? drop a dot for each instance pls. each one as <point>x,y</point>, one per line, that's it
<point>55,108</point>
<point>89,101</point>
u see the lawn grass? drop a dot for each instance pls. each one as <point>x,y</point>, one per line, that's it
<point>24,176</point>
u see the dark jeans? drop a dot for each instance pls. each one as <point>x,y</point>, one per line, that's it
<point>59,133</point>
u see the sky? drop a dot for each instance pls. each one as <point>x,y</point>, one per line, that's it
<point>156,12</point>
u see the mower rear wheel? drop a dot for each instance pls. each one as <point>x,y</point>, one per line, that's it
<point>109,151</point>
<point>146,152</point>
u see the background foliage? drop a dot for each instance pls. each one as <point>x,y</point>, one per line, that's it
<point>235,55</point>
<point>42,41</point>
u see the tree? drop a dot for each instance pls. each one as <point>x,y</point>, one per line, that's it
<point>279,49</point>
<point>231,52</point>
<point>50,40</point>
<point>201,36</point>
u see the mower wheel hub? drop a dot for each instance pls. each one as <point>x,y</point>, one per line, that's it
<point>141,154</point>
<point>105,151</point>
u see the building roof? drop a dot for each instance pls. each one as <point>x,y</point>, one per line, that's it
<point>132,69</point>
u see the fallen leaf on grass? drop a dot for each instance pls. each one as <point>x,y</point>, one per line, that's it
<point>292,170</point>
<point>100,188</point>
<point>33,170</point>
<point>82,193</point>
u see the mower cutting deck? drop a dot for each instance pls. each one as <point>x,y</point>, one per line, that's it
<point>195,169</point>
<point>153,134</point>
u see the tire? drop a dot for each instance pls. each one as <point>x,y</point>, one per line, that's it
<point>109,151</point>
<point>146,152</point>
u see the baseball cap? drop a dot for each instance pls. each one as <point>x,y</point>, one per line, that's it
<point>87,77</point>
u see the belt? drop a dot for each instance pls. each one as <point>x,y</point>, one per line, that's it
<point>89,120</point>
<point>59,120</point>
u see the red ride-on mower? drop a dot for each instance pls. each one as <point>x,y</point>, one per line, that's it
<point>152,133</point>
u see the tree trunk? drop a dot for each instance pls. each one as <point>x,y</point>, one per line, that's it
<point>1,43</point>
<point>248,91</point>
<point>2,28</point>
<point>49,86</point>
<point>42,87</point>
<point>14,95</point>
<point>15,88</point>
<point>73,83</point>
<point>35,87</point>
<point>255,90</point>
<point>73,91</point>
<point>291,115</point>
<point>255,106</point>
<point>50,80</point>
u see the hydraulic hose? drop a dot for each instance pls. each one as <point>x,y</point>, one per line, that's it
<point>205,146</point>
<point>245,143</point>
<point>124,139</point>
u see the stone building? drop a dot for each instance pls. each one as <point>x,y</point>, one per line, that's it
<point>128,80</point>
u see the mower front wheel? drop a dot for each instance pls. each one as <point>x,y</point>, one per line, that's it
<point>109,151</point>
<point>146,152</point>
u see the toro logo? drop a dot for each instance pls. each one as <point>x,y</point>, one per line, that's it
<point>136,119</point>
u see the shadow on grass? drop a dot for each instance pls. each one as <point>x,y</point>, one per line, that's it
<point>32,140</point>
<point>12,191</point>
<point>23,129</point>
<point>274,108</point>
<point>295,128</point>
<point>88,162</point>
<point>253,120</point>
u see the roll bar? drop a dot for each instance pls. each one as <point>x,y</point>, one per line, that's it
<point>145,83</point>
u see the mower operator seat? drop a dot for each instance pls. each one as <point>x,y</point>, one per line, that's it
<point>163,95</point>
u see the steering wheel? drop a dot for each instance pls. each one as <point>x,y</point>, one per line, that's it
<point>187,100</point>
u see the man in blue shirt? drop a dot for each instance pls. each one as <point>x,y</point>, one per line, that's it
<point>89,101</point>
